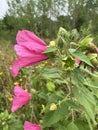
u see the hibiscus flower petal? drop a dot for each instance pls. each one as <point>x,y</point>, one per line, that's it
<point>30,126</point>
<point>78,61</point>
<point>33,46</point>
<point>21,98</point>
<point>26,61</point>
<point>22,51</point>
<point>25,36</point>
<point>19,91</point>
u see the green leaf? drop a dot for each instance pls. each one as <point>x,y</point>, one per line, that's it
<point>88,82</point>
<point>42,95</point>
<point>78,77</point>
<point>53,73</point>
<point>60,127</point>
<point>58,81</point>
<point>79,81</point>
<point>60,93</point>
<point>5,127</point>
<point>89,122</point>
<point>81,56</point>
<point>72,126</point>
<point>53,117</point>
<point>94,74</point>
<point>17,125</point>
<point>5,114</point>
<point>85,41</point>
<point>72,104</point>
<point>51,49</point>
<point>86,99</point>
<point>54,97</point>
<point>82,125</point>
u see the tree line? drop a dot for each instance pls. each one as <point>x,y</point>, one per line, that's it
<point>44,17</point>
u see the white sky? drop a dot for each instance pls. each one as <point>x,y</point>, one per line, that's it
<point>3,7</point>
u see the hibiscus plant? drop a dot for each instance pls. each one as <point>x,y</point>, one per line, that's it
<point>63,91</point>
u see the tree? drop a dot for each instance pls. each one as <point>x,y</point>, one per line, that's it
<point>81,12</point>
<point>36,15</point>
<point>44,17</point>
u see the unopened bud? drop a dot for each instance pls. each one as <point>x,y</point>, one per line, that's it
<point>53,107</point>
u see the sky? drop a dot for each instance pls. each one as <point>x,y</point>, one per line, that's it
<point>3,8</point>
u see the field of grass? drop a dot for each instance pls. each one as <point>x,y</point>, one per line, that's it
<point>7,81</point>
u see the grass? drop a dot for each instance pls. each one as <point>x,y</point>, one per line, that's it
<point>7,55</point>
<point>7,82</point>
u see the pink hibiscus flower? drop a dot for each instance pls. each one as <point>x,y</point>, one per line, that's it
<point>78,61</point>
<point>30,126</point>
<point>21,98</point>
<point>29,49</point>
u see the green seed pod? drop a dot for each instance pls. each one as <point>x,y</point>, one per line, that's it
<point>93,58</point>
<point>94,61</point>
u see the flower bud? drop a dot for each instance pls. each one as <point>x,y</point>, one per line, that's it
<point>53,107</point>
<point>62,38</point>
<point>52,43</point>
<point>94,61</point>
<point>93,58</point>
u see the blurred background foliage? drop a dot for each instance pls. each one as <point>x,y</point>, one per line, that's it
<point>44,17</point>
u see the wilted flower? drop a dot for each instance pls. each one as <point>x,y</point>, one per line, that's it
<point>21,98</point>
<point>29,49</point>
<point>30,126</point>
